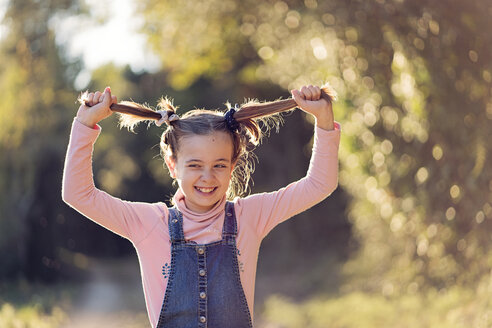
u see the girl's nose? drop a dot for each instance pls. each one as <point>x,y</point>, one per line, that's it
<point>207,175</point>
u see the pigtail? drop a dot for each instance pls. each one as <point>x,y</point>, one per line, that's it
<point>131,113</point>
<point>136,113</point>
<point>251,112</point>
<point>166,103</point>
<point>257,110</point>
<point>328,93</point>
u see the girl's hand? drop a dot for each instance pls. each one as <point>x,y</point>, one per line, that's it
<point>98,108</point>
<point>308,98</point>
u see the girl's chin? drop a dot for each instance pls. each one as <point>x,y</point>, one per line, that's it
<point>200,207</point>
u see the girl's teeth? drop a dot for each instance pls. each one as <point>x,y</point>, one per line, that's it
<point>205,189</point>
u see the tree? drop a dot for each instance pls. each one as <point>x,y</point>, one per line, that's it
<point>36,86</point>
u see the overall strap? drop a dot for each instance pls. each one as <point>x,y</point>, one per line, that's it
<point>175,223</point>
<point>230,225</point>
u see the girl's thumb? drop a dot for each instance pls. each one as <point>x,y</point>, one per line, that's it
<point>298,98</point>
<point>107,96</point>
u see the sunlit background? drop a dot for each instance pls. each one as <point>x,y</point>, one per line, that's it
<point>405,241</point>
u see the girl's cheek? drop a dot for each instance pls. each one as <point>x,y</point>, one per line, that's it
<point>194,174</point>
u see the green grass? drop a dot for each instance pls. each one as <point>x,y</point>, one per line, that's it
<point>455,308</point>
<point>30,316</point>
<point>24,305</point>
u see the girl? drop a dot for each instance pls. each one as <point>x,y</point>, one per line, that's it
<point>198,259</point>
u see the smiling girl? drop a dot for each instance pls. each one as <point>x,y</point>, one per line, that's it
<point>190,254</point>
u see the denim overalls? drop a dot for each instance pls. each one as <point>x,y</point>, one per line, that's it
<point>204,288</point>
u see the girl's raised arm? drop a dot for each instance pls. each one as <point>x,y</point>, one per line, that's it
<point>321,179</point>
<point>129,219</point>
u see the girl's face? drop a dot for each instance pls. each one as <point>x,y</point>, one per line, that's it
<point>203,169</point>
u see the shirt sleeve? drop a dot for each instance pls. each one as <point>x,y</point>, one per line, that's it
<point>266,210</point>
<point>131,220</point>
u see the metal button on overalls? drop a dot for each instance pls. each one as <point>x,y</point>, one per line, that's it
<point>212,298</point>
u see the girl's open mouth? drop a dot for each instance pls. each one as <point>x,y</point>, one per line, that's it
<point>206,190</point>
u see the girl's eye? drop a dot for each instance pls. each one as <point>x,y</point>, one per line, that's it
<point>222,166</point>
<point>194,165</point>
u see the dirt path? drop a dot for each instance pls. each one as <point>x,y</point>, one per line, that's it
<point>112,297</point>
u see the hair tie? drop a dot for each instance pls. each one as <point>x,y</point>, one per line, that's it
<point>231,122</point>
<point>165,118</point>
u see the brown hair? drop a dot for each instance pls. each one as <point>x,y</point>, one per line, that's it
<point>203,122</point>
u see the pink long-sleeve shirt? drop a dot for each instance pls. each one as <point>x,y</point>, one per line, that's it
<point>146,224</point>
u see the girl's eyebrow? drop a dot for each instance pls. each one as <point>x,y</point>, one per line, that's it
<point>199,160</point>
<point>193,160</point>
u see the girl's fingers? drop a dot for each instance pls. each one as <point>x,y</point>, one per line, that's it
<point>306,93</point>
<point>94,98</point>
<point>317,92</point>
<point>97,96</point>
<point>311,92</point>
<point>106,97</point>
<point>90,98</point>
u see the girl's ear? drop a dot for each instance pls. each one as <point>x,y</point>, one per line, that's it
<point>171,166</point>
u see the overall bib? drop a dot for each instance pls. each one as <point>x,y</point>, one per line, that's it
<point>204,287</point>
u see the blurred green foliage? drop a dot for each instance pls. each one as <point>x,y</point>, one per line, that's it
<point>36,85</point>
<point>29,317</point>
<point>454,308</point>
